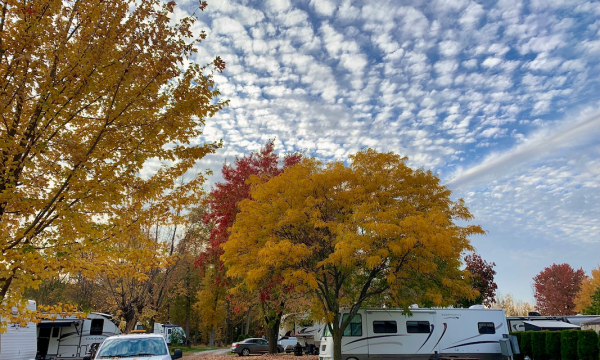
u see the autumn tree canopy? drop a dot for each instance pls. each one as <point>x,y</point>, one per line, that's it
<point>375,231</point>
<point>223,206</point>
<point>587,300</point>
<point>92,90</point>
<point>482,280</point>
<point>555,289</point>
<point>512,306</point>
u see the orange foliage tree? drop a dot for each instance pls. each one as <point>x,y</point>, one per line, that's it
<point>373,232</point>
<point>93,90</point>
<point>587,300</point>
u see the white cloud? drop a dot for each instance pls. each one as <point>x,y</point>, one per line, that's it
<point>279,5</point>
<point>491,62</point>
<point>449,48</point>
<point>472,14</point>
<point>323,7</point>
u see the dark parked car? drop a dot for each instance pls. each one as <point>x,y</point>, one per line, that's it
<point>252,346</point>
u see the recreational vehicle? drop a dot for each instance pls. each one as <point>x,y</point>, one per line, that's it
<point>308,333</point>
<point>166,330</point>
<point>380,333</point>
<point>71,337</point>
<point>18,343</point>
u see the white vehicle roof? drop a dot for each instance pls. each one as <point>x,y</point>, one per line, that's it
<point>136,336</point>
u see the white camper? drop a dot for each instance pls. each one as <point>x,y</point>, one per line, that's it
<point>308,333</point>
<point>18,343</point>
<point>166,330</point>
<point>71,337</point>
<point>377,333</point>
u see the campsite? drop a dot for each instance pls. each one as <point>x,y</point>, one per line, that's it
<point>328,179</point>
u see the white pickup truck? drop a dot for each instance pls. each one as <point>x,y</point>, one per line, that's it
<point>288,343</point>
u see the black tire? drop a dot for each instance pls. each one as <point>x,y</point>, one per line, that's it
<point>245,352</point>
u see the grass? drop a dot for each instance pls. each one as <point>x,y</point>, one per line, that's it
<point>193,349</point>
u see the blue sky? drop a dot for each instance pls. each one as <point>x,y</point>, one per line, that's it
<point>500,98</point>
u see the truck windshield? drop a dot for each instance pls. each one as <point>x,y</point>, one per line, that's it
<point>127,347</point>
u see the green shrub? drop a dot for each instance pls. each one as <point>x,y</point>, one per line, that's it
<point>568,344</point>
<point>526,343</point>
<point>587,345</point>
<point>177,337</point>
<point>553,345</point>
<point>518,336</point>
<point>538,345</point>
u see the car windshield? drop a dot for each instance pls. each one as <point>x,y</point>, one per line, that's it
<point>127,347</point>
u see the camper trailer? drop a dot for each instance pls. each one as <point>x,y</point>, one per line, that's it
<point>71,337</point>
<point>166,330</point>
<point>388,333</point>
<point>308,333</point>
<point>18,343</point>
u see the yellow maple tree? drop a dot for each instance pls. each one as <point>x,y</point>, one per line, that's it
<point>374,232</point>
<point>589,286</point>
<point>92,91</point>
<point>211,304</point>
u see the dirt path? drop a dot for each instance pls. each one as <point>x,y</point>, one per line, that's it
<point>221,354</point>
<point>204,354</point>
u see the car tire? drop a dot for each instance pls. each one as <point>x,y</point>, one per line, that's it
<point>245,352</point>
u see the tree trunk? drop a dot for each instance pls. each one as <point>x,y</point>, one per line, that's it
<point>188,310</point>
<point>248,321</point>
<point>337,344</point>
<point>211,342</point>
<point>273,332</point>
<point>227,327</point>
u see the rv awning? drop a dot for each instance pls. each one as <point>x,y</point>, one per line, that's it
<point>57,323</point>
<point>592,322</point>
<point>548,324</point>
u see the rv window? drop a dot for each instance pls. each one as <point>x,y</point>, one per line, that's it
<point>55,332</point>
<point>355,326</point>
<point>385,327</point>
<point>326,332</point>
<point>169,331</point>
<point>417,327</point>
<point>96,327</point>
<point>486,328</point>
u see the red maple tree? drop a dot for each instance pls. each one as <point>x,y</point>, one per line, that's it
<point>555,289</point>
<point>482,280</point>
<point>222,210</point>
<point>225,197</point>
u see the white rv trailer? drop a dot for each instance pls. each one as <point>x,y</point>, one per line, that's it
<point>308,333</point>
<point>166,330</point>
<point>379,333</point>
<point>18,343</point>
<point>71,337</point>
<point>517,323</point>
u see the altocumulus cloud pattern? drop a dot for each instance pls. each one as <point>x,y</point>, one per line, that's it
<point>500,98</point>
